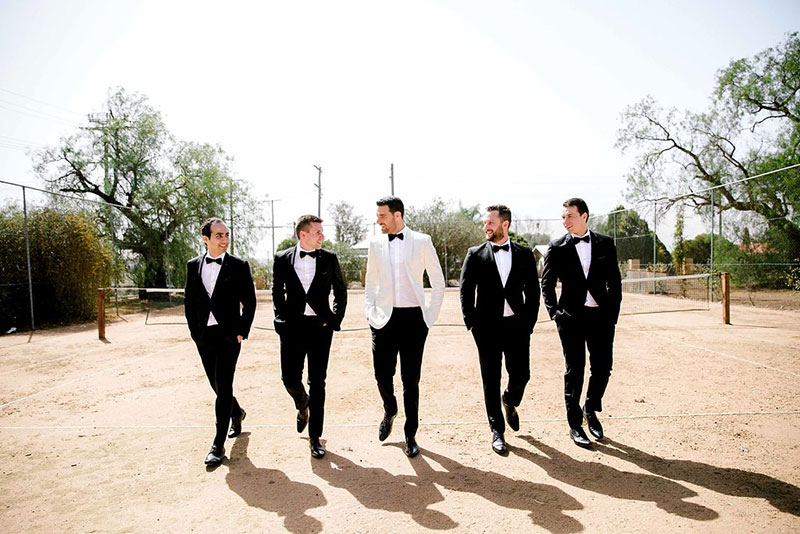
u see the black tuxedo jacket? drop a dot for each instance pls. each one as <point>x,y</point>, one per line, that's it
<point>233,301</point>
<point>563,264</point>
<point>479,271</point>
<point>289,298</point>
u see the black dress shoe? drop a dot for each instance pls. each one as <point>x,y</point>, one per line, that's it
<point>317,450</point>
<point>302,419</point>
<point>512,417</point>
<point>236,425</point>
<point>215,456</point>
<point>411,449</point>
<point>499,443</point>
<point>386,427</point>
<point>595,428</point>
<point>580,438</point>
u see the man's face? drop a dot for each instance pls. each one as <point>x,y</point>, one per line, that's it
<point>219,240</point>
<point>313,238</point>
<point>574,222</point>
<point>388,221</point>
<point>495,228</point>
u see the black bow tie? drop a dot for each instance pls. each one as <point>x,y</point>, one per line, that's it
<point>398,236</point>
<point>214,260</point>
<point>577,239</point>
<point>497,248</point>
<point>313,253</point>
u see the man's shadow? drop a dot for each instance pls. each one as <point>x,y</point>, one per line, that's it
<point>376,488</point>
<point>603,479</point>
<point>272,490</point>
<point>725,480</point>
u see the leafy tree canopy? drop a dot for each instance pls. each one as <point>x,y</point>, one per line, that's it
<point>751,127</point>
<point>158,189</point>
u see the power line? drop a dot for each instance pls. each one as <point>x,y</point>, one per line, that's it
<point>41,102</point>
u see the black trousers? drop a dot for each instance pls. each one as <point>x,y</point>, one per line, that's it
<point>591,329</point>
<point>511,338</point>
<point>405,333</point>
<point>303,338</point>
<point>219,356</point>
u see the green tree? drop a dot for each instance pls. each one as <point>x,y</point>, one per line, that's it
<point>633,235</point>
<point>350,228</point>
<point>349,260</point>
<point>157,189</point>
<point>69,261</point>
<point>452,230</point>
<point>752,127</point>
<point>679,251</point>
<point>289,242</point>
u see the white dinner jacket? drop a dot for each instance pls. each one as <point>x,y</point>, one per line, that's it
<point>420,256</point>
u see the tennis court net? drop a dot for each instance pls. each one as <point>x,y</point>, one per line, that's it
<point>659,294</point>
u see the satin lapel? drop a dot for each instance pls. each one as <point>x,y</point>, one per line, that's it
<point>202,289</point>
<point>291,257</point>
<point>223,270</point>
<point>385,254</point>
<point>593,243</point>
<point>489,255</point>
<point>515,261</point>
<point>569,244</point>
<point>319,267</point>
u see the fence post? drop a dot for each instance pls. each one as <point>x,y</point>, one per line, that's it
<point>725,286</point>
<point>101,313</point>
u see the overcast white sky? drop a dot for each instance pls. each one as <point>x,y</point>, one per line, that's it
<point>473,101</point>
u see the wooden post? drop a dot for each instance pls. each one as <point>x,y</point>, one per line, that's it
<point>101,313</point>
<point>725,286</point>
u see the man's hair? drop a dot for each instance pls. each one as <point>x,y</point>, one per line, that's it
<point>578,203</point>
<point>304,222</point>
<point>393,203</point>
<point>502,211</point>
<point>206,228</point>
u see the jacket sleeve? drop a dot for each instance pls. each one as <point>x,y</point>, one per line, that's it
<point>279,288</point>
<point>190,302</point>
<point>468,284</point>
<point>614,281</point>
<point>247,297</point>
<point>372,279</point>
<point>549,280</point>
<point>531,290</point>
<point>339,293</point>
<point>435,275</point>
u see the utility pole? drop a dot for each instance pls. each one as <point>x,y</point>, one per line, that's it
<point>391,176</point>
<point>319,192</point>
<point>230,181</point>
<point>272,224</point>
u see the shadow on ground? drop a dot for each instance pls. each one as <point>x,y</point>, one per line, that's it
<point>272,491</point>
<point>725,480</point>
<point>377,489</point>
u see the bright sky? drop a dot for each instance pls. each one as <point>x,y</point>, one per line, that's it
<point>473,101</point>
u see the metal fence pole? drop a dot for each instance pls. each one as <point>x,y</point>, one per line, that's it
<point>28,253</point>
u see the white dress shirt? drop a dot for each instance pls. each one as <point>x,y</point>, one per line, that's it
<point>584,250</point>
<point>209,272</point>
<point>404,296</point>
<point>502,258</point>
<point>306,268</point>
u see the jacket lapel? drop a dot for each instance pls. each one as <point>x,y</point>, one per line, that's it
<point>489,255</point>
<point>223,272</point>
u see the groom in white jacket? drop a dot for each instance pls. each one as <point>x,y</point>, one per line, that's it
<point>398,315</point>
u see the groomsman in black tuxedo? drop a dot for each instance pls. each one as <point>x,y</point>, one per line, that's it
<point>303,278</point>
<point>398,313</point>
<point>585,314</point>
<point>220,304</point>
<point>501,318</point>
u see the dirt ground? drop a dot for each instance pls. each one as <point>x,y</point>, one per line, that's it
<point>702,422</point>
<point>776,299</point>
